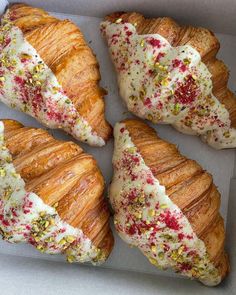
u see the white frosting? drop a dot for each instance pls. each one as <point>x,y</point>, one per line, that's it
<point>29,85</point>
<point>147,218</point>
<point>166,84</point>
<point>24,217</point>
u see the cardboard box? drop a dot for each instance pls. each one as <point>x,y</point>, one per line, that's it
<point>24,270</point>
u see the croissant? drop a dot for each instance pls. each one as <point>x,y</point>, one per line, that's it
<point>52,195</point>
<point>48,71</point>
<point>169,73</point>
<point>166,205</point>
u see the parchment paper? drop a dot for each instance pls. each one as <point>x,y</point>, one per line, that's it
<point>219,163</point>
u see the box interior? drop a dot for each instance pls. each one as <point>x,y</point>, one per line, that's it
<point>219,163</point>
<point>216,14</point>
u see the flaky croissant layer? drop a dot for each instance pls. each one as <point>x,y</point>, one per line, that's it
<point>49,72</point>
<point>169,74</point>
<point>166,205</point>
<point>52,195</point>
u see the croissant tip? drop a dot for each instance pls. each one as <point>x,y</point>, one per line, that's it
<point>109,131</point>
<point>109,244</point>
<point>131,120</point>
<point>114,15</point>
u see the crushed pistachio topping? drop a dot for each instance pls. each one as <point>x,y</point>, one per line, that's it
<point>24,217</point>
<point>177,84</point>
<point>29,85</point>
<point>160,229</point>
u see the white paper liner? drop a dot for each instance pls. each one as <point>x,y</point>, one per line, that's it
<point>219,163</point>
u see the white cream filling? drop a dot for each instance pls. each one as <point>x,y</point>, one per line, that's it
<point>29,85</point>
<point>152,96</point>
<point>165,235</point>
<point>24,217</point>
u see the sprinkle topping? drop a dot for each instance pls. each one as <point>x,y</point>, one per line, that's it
<point>166,84</point>
<point>25,218</point>
<point>147,218</point>
<point>29,85</point>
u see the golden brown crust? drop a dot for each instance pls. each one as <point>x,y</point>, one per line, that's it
<point>203,40</point>
<point>26,17</point>
<point>187,185</point>
<point>60,172</point>
<point>63,48</point>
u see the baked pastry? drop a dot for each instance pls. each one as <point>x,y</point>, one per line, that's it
<point>48,71</point>
<point>166,205</point>
<point>52,195</point>
<point>169,73</point>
